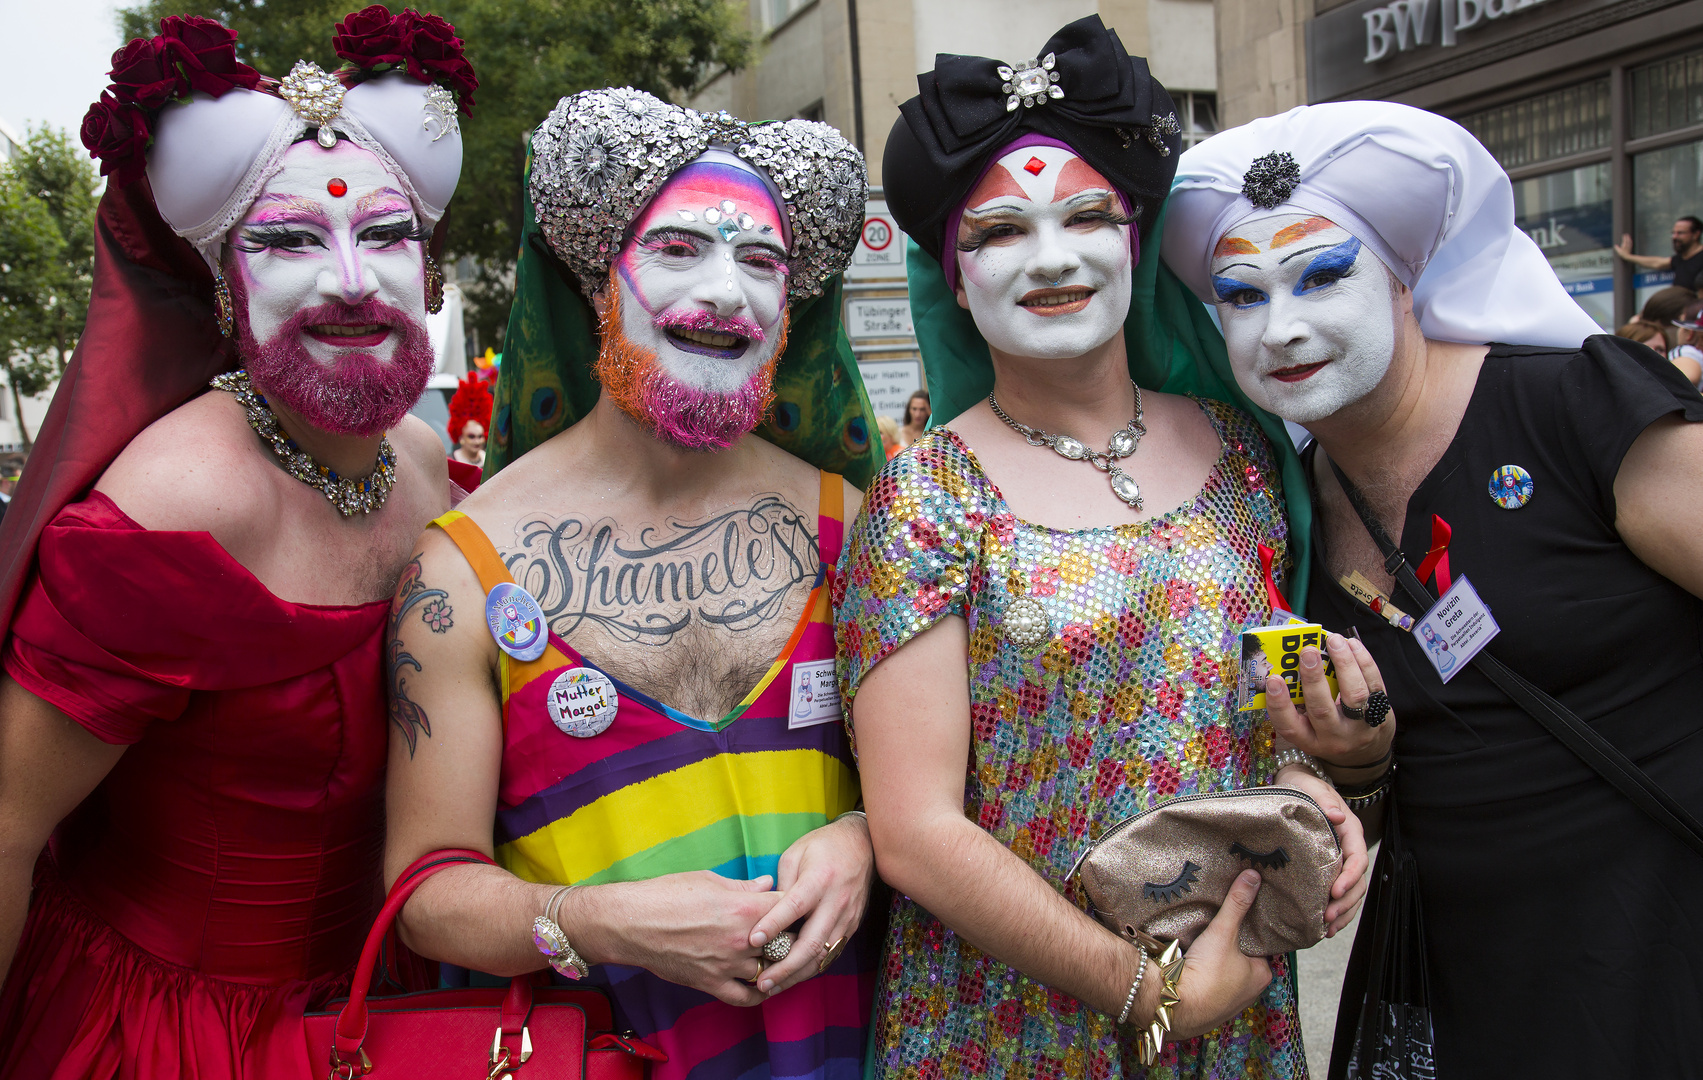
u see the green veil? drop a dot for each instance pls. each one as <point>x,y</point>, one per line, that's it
<point>1174,347</point>
<point>821,413</point>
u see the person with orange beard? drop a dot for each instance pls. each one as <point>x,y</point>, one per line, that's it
<point>633,706</point>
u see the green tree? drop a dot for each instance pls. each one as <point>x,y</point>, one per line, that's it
<point>527,53</point>
<point>47,223</point>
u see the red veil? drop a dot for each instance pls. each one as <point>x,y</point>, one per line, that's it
<point>151,344</point>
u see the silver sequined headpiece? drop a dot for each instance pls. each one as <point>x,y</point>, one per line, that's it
<point>601,155</point>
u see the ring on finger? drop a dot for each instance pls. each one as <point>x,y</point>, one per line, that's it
<point>761,964</point>
<point>1353,712</point>
<point>778,947</point>
<point>1377,708</point>
<point>830,954</point>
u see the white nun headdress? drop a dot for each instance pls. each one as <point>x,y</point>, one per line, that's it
<point>212,156</point>
<point>1414,187</point>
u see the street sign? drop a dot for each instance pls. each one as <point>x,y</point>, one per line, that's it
<point>880,252</point>
<point>879,317</point>
<point>890,384</point>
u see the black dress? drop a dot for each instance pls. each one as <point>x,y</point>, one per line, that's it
<point>1564,927</point>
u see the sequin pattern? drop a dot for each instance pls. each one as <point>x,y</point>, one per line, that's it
<point>1124,700</point>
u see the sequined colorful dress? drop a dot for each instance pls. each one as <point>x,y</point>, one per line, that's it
<point>1127,702</point>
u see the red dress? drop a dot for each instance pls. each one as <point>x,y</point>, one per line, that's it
<point>222,877</point>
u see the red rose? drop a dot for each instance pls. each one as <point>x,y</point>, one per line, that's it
<point>144,73</point>
<point>370,37</point>
<point>435,55</point>
<point>116,132</point>
<point>208,53</point>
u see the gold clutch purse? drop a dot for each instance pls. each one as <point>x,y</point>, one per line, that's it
<point>1165,872</point>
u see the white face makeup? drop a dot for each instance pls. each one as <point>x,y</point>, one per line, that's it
<point>331,231</point>
<point>703,281</point>
<point>1043,263</point>
<point>1308,314</point>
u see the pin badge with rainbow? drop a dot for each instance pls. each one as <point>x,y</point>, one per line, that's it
<point>1511,487</point>
<point>516,621</point>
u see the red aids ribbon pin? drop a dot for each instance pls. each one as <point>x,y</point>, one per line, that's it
<point>1272,596</point>
<point>1437,558</point>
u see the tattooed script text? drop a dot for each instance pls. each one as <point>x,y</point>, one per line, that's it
<point>732,571</point>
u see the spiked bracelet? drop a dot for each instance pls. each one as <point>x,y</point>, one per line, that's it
<point>1152,1040</point>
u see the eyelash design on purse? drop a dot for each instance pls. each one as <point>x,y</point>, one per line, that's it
<point>1275,859</point>
<point>1173,890</point>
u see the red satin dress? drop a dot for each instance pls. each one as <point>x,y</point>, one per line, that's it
<point>222,877</point>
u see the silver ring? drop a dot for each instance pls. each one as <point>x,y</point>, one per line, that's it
<point>778,948</point>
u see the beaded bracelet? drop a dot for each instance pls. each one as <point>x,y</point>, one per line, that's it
<point>1134,987</point>
<point>1292,756</point>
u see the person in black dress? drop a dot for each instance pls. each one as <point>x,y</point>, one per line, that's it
<point>1372,286</point>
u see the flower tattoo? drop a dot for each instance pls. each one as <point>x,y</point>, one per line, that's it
<point>437,616</point>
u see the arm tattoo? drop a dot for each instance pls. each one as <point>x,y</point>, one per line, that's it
<point>408,717</point>
<point>733,571</point>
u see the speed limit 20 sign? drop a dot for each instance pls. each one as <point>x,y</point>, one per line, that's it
<point>880,247</point>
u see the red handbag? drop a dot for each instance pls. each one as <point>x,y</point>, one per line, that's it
<point>557,1033</point>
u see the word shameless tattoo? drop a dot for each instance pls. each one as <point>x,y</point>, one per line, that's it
<point>733,571</point>
<point>439,616</point>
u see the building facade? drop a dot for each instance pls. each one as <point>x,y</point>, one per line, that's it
<point>1595,107</point>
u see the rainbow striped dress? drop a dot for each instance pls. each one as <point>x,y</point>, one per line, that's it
<point>660,792</point>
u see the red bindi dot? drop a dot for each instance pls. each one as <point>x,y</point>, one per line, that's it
<point>337,187</point>
<point>1035,166</point>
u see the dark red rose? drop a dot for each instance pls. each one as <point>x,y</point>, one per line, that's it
<point>208,53</point>
<point>435,55</point>
<point>116,132</point>
<point>370,37</point>
<point>145,73</point>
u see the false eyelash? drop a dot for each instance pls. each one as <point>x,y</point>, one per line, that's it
<point>1275,859</point>
<point>268,237</point>
<point>1172,891</point>
<point>979,235</point>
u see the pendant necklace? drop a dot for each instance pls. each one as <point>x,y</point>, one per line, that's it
<point>349,496</point>
<point>1122,445</point>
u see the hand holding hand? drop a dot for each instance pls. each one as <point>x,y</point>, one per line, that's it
<point>691,928</point>
<point>824,879</point>
<point>1349,888</point>
<point>1320,728</point>
<point>1218,982</point>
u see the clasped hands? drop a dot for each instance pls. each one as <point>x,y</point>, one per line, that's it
<point>705,931</point>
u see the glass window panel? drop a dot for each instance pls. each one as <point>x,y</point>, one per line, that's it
<point>1667,184</point>
<point>1570,216</point>
<point>1572,120</point>
<point>1667,94</point>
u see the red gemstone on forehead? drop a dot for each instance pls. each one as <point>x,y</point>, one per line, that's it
<point>337,187</point>
<point>1035,166</point>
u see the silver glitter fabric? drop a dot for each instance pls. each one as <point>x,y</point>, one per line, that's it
<point>601,155</point>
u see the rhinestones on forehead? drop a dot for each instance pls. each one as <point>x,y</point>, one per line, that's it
<point>337,187</point>
<point>1035,166</point>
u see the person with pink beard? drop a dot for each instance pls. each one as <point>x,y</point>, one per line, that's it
<point>192,717</point>
<point>648,710</point>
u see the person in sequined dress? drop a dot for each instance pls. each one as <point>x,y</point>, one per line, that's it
<point>1098,625</point>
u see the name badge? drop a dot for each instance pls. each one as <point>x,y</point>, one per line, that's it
<point>516,621</point>
<point>1455,629</point>
<point>815,695</point>
<point>582,702</point>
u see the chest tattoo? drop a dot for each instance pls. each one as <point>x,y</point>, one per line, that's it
<point>647,584</point>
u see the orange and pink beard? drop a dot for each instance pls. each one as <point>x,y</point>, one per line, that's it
<point>679,414</point>
<point>357,393</point>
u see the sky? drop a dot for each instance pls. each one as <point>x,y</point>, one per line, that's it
<point>56,58</point>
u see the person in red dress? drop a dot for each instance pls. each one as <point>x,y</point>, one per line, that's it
<point>192,716</point>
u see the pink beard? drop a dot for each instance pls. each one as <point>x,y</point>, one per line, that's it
<point>684,416</point>
<point>358,394</point>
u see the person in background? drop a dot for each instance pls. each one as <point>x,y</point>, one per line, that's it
<point>889,429</point>
<point>917,410</point>
<point>470,419</point>
<point>1687,356</point>
<point>1686,262</point>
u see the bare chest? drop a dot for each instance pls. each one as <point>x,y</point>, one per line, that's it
<point>692,611</point>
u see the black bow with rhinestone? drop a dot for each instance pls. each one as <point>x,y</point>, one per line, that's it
<point>1271,179</point>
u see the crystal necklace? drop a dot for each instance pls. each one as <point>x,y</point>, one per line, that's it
<point>349,496</point>
<point>1122,445</point>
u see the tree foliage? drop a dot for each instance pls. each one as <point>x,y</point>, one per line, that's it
<point>47,223</point>
<point>528,54</point>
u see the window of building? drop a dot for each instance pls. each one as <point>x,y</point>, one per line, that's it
<point>812,112</point>
<point>776,12</point>
<point>1572,120</point>
<point>1198,114</point>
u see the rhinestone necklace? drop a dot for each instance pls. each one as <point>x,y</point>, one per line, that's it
<point>1122,445</point>
<point>349,496</point>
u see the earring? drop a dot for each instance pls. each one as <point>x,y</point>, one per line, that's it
<point>222,305</point>
<point>434,286</point>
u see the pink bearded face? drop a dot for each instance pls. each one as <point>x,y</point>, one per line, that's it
<point>327,275</point>
<point>1308,314</point>
<point>698,316</point>
<point>1045,255</point>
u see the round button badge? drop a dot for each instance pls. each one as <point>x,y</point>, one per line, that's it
<point>1511,487</point>
<point>582,702</point>
<point>516,621</point>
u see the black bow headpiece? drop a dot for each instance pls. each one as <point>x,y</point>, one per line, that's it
<point>1085,90</point>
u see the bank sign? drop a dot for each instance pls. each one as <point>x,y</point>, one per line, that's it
<point>1382,46</point>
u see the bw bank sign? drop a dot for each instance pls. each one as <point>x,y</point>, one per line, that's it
<point>1412,24</point>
